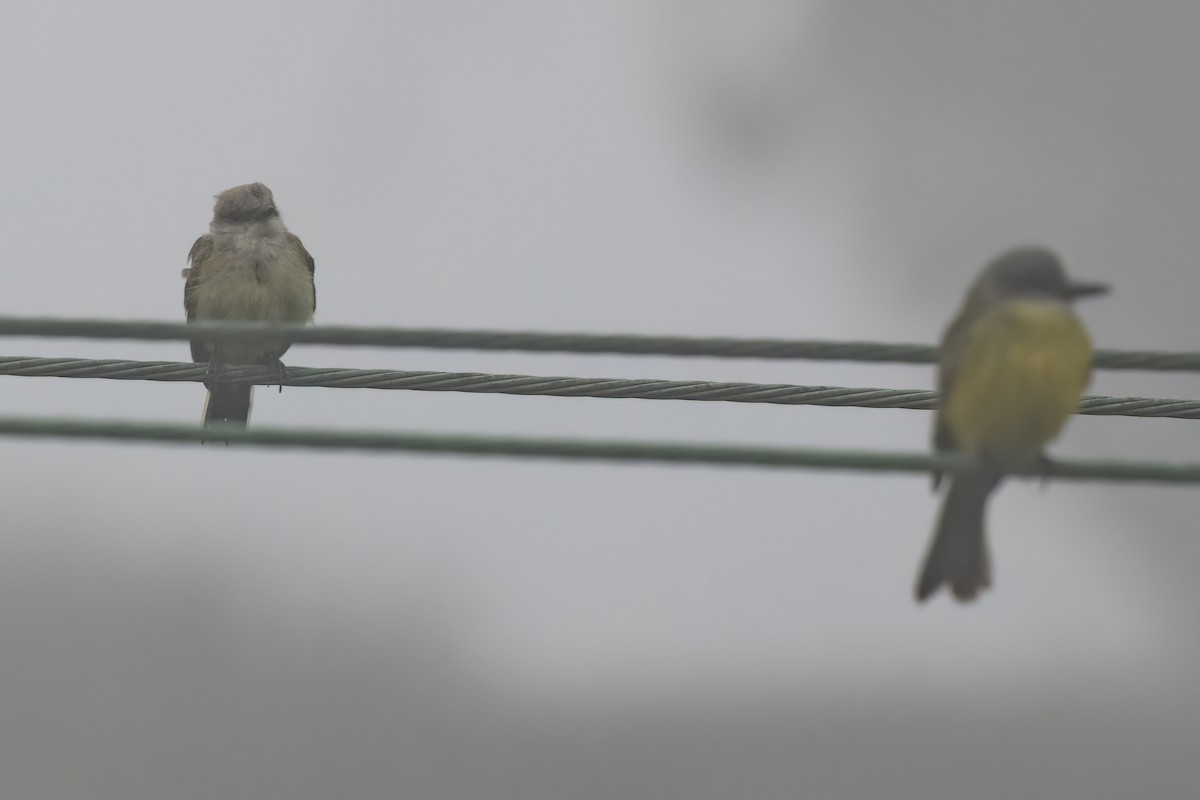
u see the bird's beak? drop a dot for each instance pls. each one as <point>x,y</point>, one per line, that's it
<point>1085,289</point>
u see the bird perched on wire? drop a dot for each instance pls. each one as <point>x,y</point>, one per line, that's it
<point>1012,365</point>
<point>249,266</point>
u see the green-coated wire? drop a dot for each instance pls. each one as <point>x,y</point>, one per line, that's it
<point>627,344</point>
<point>576,449</point>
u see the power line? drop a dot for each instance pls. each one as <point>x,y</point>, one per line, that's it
<point>622,344</point>
<point>580,449</point>
<point>613,388</point>
<point>784,394</point>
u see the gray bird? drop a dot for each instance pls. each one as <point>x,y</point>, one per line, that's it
<point>248,267</point>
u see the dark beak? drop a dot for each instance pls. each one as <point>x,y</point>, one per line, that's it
<point>1085,289</point>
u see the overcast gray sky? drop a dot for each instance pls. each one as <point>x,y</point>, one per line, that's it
<point>793,169</point>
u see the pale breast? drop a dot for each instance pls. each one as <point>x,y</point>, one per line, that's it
<point>254,278</point>
<point>257,276</point>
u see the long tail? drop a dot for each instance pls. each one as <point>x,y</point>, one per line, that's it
<point>228,404</point>
<point>958,554</point>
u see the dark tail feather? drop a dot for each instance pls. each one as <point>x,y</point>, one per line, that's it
<point>228,404</point>
<point>958,555</point>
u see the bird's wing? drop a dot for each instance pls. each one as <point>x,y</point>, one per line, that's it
<point>295,242</point>
<point>197,257</point>
<point>950,352</point>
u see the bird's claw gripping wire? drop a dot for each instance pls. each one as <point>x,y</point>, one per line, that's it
<point>212,376</point>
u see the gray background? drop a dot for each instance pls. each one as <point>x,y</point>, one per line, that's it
<point>192,622</point>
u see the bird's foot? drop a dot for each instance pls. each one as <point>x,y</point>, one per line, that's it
<point>281,373</point>
<point>214,373</point>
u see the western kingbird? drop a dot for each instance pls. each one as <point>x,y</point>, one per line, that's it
<point>1012,368</point>
<point>248,267</point>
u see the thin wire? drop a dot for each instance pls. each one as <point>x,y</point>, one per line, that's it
<point>578,449</point>
<point>613,388</point>
<point>627,344</point>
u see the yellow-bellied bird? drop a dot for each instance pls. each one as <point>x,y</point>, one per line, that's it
<point>1013,365</point>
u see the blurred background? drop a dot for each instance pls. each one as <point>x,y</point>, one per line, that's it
<point>188,622</point>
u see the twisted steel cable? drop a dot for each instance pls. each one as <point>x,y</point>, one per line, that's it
<point>616,388</point>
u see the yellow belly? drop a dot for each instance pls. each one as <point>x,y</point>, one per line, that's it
<point>1020,378</point>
